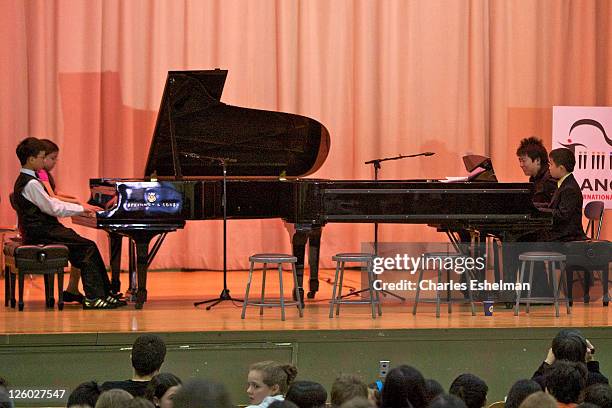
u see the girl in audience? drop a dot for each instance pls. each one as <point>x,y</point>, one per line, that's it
<point>268,381</point>
<point>404,387</point>
<point>161,389</point>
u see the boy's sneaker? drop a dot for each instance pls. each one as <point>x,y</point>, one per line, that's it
<point>114,301</point>
<point>97,303</point>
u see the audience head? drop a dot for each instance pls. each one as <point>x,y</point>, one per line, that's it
<point>307,394</point>
<point>358,402</point>
<point>404,388</point>
<point>148,354</point>
<point>282,404</point>
<point>51,153</point>
<point>471,389</point>
<point>347,387</point>
<point>599,394</point>
<point>31,152</point>
<point>84,395</point>
<point>519,391</point>
<point>446,401</point>
<point>138,402</point>
<point>569,345</point>
<point>268,378</point>
<point>562,161</point>
<point>198,393</point>
<point>532,155</point>
<point>432,389</point>
<point>113,399</point>
<point>161,389</point>
<point>539,399</point>
<point>566,380</point>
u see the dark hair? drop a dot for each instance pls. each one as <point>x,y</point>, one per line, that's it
<point>346,387</point>
<point>159,384</point>
<point>563,157</point>
<point>274,373</point>
<point>198,393</point>
<point>432,389</point>
<point>471,389</point>
<point>86,393</point>
<point>28,147</point>
<point>533,148</point>
<point>446,401</point>
<point>50,146</point>
<point>566,380</point>
<point>569,345</point>
<point>404,388</point>
<point>519,391</point>
<point>148,354</point>
<point>587,405</point>
<point>358,402</point>
<point>307,394</point>
<point>282,404</point>
<point>599,394</point>
<point>139,402</point>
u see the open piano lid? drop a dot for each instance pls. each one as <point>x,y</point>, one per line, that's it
<point>193,125</point>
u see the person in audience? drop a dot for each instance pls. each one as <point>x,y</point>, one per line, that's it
<point>446,401</point>
<point>307,394</point>
<point>346,387</point>
<point>519,391</point>
<point>599,394</point>
<point>565,381</point>
<point>115,398</point>
<point>358,402</point>
<point>268,381</point>
<point>161,389</point>
<point>471,389</point>
<point>539,399</point>
<point>404,388</point>
<point>148,354</point>
<point>84,395</point>
<point>198,393</point>
<point>139,402</point>
<point>571,345</point>
<point>5,400</point>
<point>283,404</point>
<point>374,392</point>
<point>432,389</point>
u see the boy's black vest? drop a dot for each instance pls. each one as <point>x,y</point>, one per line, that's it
<point>32,221</point>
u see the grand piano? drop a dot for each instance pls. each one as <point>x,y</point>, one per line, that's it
<point>271,153</point>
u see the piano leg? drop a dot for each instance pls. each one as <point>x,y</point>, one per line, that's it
<point>142,264</point>
<point>314,245</point>
<point>115,241</point>
<point>298,242</point>
<point>132,270</point>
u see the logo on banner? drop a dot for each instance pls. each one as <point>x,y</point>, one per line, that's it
<point>586,132</point>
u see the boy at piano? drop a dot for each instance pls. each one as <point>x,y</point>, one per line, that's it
<point>71,294</point>
<point>37,213</point>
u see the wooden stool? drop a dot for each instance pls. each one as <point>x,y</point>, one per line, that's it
<point>45,260</point>
<point>266,259</point>
<point>549,259</point>
<point>341,260</point>
<point>449,300</point>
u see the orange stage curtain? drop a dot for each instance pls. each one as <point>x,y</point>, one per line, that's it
<point>386,78</point>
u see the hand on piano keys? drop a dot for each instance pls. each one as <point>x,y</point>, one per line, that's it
<point>90,210</point>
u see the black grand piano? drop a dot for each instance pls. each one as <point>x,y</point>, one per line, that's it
<point>272,152</point>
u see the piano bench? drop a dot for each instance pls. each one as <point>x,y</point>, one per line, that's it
<point>279,260</point>
<point>549,259</point>
<point>46,260</point>
<point>337,299</point>
<point>590,256</point>
<point>438,258</point>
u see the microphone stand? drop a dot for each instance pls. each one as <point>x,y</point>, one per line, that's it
<point>225,293</point>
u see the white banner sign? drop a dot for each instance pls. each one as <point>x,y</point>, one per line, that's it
<point>587,131</point>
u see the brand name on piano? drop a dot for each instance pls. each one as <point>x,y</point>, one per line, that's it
<point>147,205</point>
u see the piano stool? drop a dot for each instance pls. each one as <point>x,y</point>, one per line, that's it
<point>279,260</point>
<point>549,259</point>
<point>46,260</point>
<point>336,300</point>
<point>449,300</point>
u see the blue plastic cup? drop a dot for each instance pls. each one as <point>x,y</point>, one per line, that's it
<point>488,307</point>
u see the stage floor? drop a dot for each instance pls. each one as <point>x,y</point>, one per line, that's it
<point>170,309</point>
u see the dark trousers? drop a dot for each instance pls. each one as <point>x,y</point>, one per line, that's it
<point>83,254</point>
